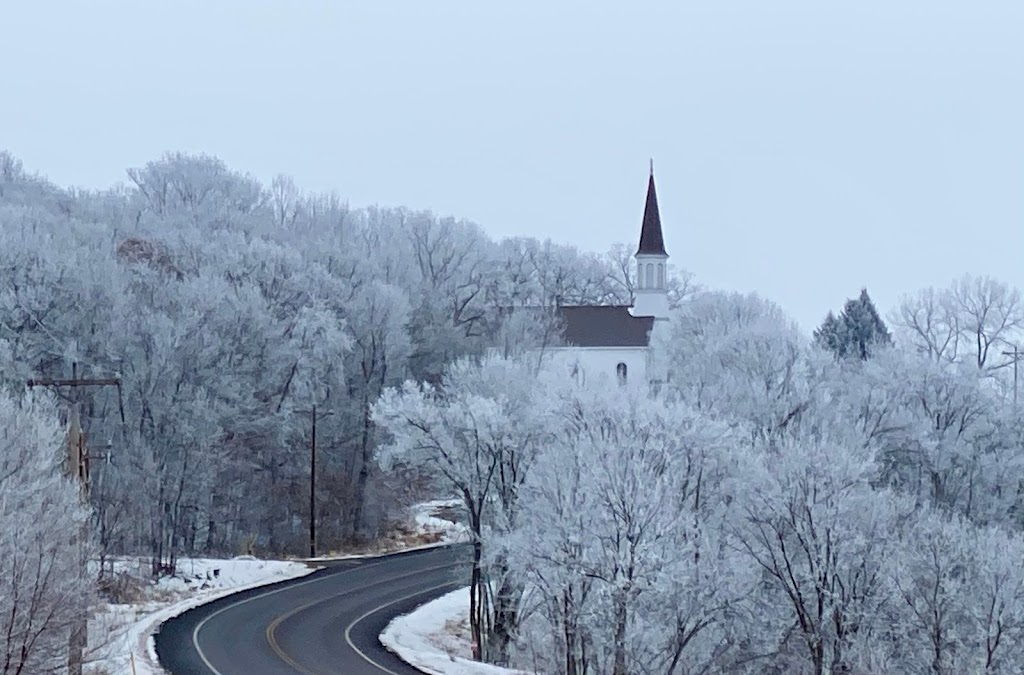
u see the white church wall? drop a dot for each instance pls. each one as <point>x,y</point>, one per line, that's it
<point>594,364</point>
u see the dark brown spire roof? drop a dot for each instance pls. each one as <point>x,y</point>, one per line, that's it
<point>651,240</point>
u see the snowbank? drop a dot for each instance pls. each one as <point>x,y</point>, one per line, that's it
<point>437,517</point>
<point>121,633</point>
<point>435,638</point>
<point>426,525</point>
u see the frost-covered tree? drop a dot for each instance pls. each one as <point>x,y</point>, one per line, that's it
<point>929,323</point>
<point>44,542</point>
<point>476,434</point>
<point>991,314</point>
<point>969,321</point>
<point>959,598</point>
<point>199,188</point>
<point>622,541</point>
<point>937,431</point>
<point>738,356</point>
<point>377,316</point>
<point>818,533</point>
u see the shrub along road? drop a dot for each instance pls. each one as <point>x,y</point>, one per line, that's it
<point>323,624</point>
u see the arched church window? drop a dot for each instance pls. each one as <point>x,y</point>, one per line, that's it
<point>661,275</point>
<point>620,371</point>
<point>650,275</point>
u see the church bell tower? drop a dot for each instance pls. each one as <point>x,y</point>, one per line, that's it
<point>651,292</point>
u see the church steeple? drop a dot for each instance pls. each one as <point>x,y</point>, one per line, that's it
<point>651,292</point>
<point>652,242</point>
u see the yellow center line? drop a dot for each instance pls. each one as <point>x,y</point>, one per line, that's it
<point>271,631</point>
<point>201,624</point>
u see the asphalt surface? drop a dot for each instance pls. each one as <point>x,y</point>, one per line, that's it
<point>322,624</point>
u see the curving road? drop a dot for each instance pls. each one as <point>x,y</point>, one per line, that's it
<point>322,624</point>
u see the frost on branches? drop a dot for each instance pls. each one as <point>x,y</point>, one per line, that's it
<point>770,509</point>
<point>478,435</point>
<point>44,592</point>
<point>623,553</point>
<point>226,306</point>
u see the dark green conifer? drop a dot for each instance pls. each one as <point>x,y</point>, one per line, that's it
<point>857,332</point>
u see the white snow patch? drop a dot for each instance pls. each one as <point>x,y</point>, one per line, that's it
<point>121,633</point>
<point>427,519</point>
<point>435,638</point>
<point>429,522</point>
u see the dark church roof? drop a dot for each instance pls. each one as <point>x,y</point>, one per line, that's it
<point>651,240</point>
<point>604,326</point>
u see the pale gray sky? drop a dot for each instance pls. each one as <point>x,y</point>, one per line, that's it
<point>802,148</point>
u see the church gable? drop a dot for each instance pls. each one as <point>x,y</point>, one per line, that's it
<point>604,326</point>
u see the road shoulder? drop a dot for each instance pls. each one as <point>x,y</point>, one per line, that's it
<point>434,638</point>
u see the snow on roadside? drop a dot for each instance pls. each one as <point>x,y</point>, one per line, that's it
<point>435,638</point>
<point>425,525</point>
<point>119,633</point>
<point>441,516</point>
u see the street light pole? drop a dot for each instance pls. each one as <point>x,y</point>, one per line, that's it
<point>1015,356</point>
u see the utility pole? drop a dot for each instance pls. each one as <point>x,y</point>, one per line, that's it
<point>77,465</point>
<point>312,478</point>
<point>1015,356</point>
<point>78,456</point>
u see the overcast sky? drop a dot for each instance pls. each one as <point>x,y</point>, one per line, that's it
<point>802,149</point>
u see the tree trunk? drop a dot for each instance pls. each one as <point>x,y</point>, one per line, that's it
<point>506,619</point>
<point>76,644</point>
<point>211,534</point>
<point>569,626</point>
<point>365,455</point>
<point>619,668</point>
<point>475,604</point>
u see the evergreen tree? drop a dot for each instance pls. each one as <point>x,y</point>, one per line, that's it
<point>856,332</point>
<point>828,335</point>
<point>864,327</point>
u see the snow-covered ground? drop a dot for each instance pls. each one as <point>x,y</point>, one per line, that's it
<point>427,524</point>
<point>441,516</point>
<point>435,638</point>
<point>122,633</point>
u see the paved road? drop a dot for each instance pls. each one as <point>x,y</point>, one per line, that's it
<point>323,624</point>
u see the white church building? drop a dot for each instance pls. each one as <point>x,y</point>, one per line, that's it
<point>612,342</point>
